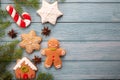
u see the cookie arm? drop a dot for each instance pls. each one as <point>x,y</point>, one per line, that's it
<point>62,52</point>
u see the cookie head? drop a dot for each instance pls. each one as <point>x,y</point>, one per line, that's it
<point>53,43</point>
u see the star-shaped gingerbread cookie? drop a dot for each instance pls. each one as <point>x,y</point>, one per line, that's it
<point>30,41</point>
<point>49,12</point>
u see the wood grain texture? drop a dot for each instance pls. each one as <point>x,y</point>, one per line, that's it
<point>89,31</point>
<point>85,51</point>
<point>73,31</point>
<point>79,12</point>
<point>74,70</point>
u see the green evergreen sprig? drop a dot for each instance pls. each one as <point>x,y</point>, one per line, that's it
<point>44,76</point>
<point>8,52</point>
<point>3,26</point>
<point>3,13</point>
<point>30,3</point>
<point>6,76</point>
<point>18,8</point>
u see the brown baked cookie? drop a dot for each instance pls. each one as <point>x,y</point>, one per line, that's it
<point>25,69</point>
<point>53,53</point>
<point>30,41</point>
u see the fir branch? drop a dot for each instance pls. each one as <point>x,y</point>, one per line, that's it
<point>35,4</point>
<point>9,52</point>
<point>18,8</point>
<point>30,3</point>
<point>7,76</point>
<point>3,13</point>
<point>45,76</point>
<point>2,33</point>
<point>6,52</point>
<point>0,3</point>
<point>17,54</point>
<point>3,26</point>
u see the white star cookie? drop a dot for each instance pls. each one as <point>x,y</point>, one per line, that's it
<point>49,12</point>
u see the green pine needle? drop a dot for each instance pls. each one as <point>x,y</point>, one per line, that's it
<point>7,52</point>
<point>17,54</point>
<point>3,13</point>
<point>6,76</point>
<point>45,76</point>
<point>30,3</point>
<point>3,26</point>
<point>18,8</point>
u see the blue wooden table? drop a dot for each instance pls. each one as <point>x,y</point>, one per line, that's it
<point>89,31</point>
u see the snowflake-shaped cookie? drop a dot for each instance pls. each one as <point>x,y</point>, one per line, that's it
<point>30,41</point>
<point>49,12</point>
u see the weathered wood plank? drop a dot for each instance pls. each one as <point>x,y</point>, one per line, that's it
<point>82,70</point>
<point>73,31</point>
<point>76,12</point>
<point>91,41</point>
<point>11,1</point>
<point>85,51</point>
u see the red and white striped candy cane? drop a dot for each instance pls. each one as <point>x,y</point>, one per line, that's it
<point>22,22</point>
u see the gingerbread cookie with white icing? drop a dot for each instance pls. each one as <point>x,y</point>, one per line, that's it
<point>53,53</point>
<point>25,69</point>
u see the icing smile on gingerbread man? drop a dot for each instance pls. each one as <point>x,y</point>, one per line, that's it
<point>53,53</point>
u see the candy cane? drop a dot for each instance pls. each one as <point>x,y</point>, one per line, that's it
<point>23,23</point>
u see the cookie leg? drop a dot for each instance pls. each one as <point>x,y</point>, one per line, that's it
<point>48,63</point>
<point>57,63</point>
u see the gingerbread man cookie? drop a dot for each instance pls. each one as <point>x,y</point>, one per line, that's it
<point>30,41</point>
<point>53,53</point>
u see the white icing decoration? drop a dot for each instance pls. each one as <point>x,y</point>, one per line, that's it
<point>27,62</point>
